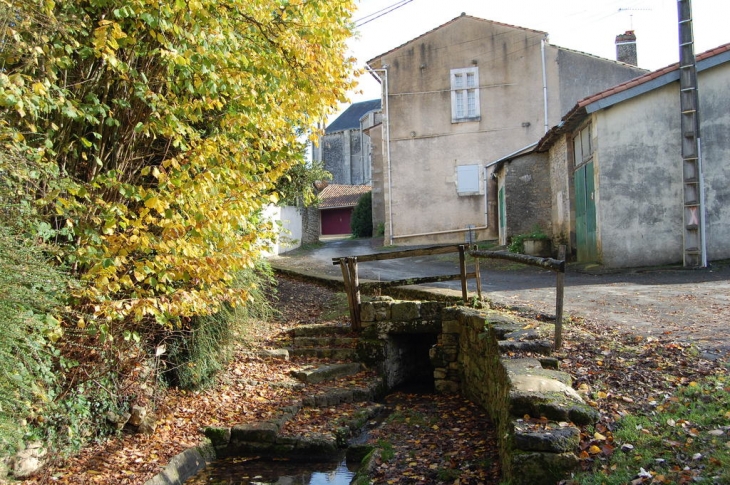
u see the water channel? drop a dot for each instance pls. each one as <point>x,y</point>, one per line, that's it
<point>254,471</point>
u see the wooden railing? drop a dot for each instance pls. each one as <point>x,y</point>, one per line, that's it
<point>349,266</point>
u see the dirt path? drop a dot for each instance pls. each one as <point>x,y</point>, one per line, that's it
<point>690,305</point>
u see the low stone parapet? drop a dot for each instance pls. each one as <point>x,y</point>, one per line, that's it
<point>534,407</point>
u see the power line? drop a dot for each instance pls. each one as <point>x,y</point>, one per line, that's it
<point>376,15</point>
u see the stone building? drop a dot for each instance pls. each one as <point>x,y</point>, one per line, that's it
<point>345,147</point>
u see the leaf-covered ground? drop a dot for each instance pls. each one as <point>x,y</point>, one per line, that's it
<point>432,440</point>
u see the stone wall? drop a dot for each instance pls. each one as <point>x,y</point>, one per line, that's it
<point>561,182</point>
<point>528,196</point>
<point>468,356</point>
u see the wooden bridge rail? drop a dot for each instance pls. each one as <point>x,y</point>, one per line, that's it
<point>349,266</point>
<point>556,265</point>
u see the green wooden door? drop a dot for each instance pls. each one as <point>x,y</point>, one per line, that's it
<point>585,214</point>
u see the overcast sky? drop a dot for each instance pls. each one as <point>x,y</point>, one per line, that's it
<point>586,25</point>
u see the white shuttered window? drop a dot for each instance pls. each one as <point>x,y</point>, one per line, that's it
<point>465,94</point>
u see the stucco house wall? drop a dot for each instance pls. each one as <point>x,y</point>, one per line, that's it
<point>638,175</point>
<point>715,130</point>
<point>419,183</point>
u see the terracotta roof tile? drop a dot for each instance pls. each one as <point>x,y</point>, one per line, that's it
<point>336,195</point>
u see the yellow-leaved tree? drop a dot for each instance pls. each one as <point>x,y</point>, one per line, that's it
<point>148,135</point>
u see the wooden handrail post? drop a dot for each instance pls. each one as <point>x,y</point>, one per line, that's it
<point>478,276</point>
<point>462,271</point>
<point>559,289</point>
<point>355,290</point>
<point>348,288</point>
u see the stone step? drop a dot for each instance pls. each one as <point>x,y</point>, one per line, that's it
<point>329,341</point>
<point>538,392</point>
<point>324,373</point>
<point>544,347</point>
<point>329,397</point>
<point>316,330</point>
<point>324,353</point>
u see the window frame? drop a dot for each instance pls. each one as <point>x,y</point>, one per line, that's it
<point>460,93</point>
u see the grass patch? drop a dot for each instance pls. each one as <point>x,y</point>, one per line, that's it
<point>387,452</point>
<point>335,308</point>
<point>411,417</point>
<point>684,440</point>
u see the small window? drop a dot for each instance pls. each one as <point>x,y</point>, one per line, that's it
<point>465,95</point>
<point>582,146</point>
<point>467,180</point>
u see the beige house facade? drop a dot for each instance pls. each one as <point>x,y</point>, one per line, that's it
<point>456,99</point>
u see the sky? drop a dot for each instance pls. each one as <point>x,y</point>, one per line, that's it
<point>589,26</point>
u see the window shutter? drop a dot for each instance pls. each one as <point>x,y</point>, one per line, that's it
<point>467,179</point>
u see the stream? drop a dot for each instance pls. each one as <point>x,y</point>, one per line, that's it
<point>258,471</point>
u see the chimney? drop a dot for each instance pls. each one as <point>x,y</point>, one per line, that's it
<point>626,48</point>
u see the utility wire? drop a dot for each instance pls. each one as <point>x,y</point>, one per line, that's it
<point>376,15</point>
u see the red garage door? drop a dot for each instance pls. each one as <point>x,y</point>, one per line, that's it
<point>336,221</point>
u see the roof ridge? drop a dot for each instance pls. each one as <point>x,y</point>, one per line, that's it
<point>462,16</point>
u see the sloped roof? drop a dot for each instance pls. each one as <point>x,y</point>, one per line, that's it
<point>629,89</point>
<point>462,16</point>
<point>336,195</point>
<point>350,118</point>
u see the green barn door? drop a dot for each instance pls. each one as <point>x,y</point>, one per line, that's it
<point>585,214</point>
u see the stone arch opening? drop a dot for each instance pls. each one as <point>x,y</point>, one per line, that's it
<point>408,363</point>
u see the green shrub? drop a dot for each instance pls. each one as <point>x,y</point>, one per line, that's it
<point>517,243</point>
<point>362,217</point>
<point>196,353</point>
<point>30,292</point>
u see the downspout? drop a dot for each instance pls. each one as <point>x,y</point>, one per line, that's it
<point>386,120</point>
<point>544,85</point>
<point>486,197</point>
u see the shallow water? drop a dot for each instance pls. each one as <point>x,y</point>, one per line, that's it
<point>253,471</point>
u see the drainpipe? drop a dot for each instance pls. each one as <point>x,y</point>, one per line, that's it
<point>386,120</point>
<point>544,85</point>
<point>486,197</point>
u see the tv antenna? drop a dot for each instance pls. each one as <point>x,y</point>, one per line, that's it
<point>631,15</point>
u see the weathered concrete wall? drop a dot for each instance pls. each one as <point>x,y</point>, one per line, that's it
<point>377,165</point>
<point>638,175</point>
<point>582,75</point>
<point>715,131</point>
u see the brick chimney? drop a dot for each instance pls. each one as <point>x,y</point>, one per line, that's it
<point>626,48</point>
